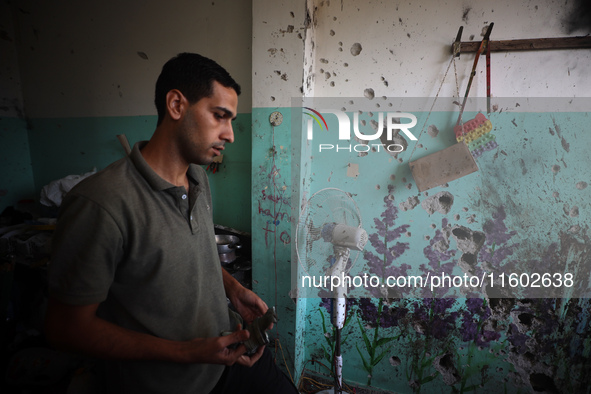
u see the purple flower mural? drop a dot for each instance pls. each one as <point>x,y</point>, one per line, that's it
<point>386,244</point>
<point>475,313</point>
<point>438,335</point>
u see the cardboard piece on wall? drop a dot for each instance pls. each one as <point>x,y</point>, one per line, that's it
<point>444,166</point>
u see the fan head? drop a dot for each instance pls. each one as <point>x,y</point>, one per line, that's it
<point>325,209</point>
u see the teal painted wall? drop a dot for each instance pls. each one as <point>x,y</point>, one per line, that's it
<point>530,199</point>
<point>67,146</point>
<point>16,176</point>
<point>271,225</point>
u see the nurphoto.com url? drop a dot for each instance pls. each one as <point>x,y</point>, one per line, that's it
<point>443,280</point>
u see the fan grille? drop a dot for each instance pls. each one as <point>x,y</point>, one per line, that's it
<point>330,205</point>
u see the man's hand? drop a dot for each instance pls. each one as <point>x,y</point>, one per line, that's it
<point>248,361</point>
<point>220,350</point>
<point>249,306</point>
<point>247,303</point>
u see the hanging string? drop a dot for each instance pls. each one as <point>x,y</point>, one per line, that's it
<point>453,60</point>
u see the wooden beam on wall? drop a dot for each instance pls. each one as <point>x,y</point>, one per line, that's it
<point>534,44</point>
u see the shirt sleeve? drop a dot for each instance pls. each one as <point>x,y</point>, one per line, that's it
<point>86,247</point>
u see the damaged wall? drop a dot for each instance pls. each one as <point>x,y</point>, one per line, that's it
<point>403,48</point>
<point>525,208</point>
<point>279,32</point>
<point>525,211</point>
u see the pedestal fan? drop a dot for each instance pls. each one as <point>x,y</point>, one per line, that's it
<point>329,228</point>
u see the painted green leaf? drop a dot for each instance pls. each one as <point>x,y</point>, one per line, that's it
<point>323,323</point>
<point>428,361</point>
<point>365,337</point>
<point>383,341</point>
<point>429,378</point>
<point>365,365</point>
<point>380,357</point>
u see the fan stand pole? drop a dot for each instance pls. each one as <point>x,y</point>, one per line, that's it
<point>338,306</point>
<point>339,313</point>
<point>338,358</point>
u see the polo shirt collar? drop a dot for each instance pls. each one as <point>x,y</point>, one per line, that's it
<point>153,179</point>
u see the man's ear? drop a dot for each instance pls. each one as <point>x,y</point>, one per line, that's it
<point>176,104</point>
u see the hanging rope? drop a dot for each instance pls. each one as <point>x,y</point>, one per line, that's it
<point>453,60</point>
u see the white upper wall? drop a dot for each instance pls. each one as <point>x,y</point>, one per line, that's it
<point>102,58</point>
<point>406,48</point>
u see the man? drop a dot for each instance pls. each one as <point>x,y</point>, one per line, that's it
<point>135,277</point>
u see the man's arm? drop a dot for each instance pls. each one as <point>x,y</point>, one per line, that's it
<point>78,329</point>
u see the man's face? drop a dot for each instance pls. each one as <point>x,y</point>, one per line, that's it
<point>207,125</point>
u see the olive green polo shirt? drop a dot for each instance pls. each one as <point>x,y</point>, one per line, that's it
<point>145,250</point>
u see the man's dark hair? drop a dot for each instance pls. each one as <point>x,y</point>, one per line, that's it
<point>193,76</point>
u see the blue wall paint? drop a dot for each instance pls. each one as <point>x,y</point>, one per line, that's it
<point>16,176</point>
<point>66,146</point>
<point>271,222</point>
<point>530,198</point>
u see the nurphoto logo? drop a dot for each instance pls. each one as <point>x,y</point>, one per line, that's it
<point>393,122</point>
